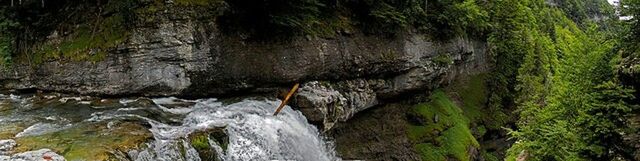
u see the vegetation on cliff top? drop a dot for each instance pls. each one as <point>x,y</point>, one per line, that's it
<point>64,31</point>
<point>7,26</point>
<point>326,18</point>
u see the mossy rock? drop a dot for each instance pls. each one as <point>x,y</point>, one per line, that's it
<point>5,106</point>
<point>200,141</point>
<point>141,102</point>
<point>89,141</point>
<point>443,132</point>
<point>9,130</point>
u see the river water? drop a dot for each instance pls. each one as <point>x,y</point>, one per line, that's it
<point>86,128</point>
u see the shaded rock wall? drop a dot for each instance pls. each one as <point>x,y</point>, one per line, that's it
<point>376,134</point>
<point>332,101</point>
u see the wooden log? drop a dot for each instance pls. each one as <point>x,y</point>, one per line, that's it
<point>286,99</point>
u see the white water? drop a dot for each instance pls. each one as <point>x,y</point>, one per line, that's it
<point>254,134</point>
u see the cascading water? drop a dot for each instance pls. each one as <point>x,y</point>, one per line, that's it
<point>253,132</point>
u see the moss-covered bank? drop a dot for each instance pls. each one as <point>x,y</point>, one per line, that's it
<point>452,123</point>
<point>442,131</point>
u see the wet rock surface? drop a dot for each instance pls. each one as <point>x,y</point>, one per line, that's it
<point>201,141</point>
<point>42,154</point>
<point>6,146</point>
<point>64,125</point>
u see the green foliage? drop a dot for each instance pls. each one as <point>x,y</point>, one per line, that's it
<point>510,39</point>
<point>445,131</point>
<point>561,118</point>
<point>583,10</point>
<point>551,140</point>
<point>442,19</point>
<point>583,13</point>
<point>200,142</point>
<point>446,18</point>
<point>196,2</point>
<point>443,60</point>
<point>472,93</point>
<point>6,36</point>
<point>269,18</point>
<point>489,156</point>
<point>630,65</point>
<point>90,41</point>
<point>605,121</point>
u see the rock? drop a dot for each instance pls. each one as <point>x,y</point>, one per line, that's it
<point>328,104</point>
<point>332,102</point>
<point>6,146</point>
<point>79,142</point>
<point>417,119</point>
<point>39,129</point>
<point>139,102</point>
<point>200,142</point>
<point>189,56</point>
<point>42,154</point>
<point>320,103</point>
<point>9,130</point>
<point>376,134</point>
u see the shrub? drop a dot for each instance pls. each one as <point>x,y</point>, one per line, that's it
<point>269,18</point>
<point>6,36</point>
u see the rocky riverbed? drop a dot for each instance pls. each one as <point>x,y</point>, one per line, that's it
<point>56,127</point>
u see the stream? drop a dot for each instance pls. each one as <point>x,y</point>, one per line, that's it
<point>55,127</point>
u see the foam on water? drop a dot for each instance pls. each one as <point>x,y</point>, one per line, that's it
<point>254,134</point>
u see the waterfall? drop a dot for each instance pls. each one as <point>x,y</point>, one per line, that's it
<point>254,133</point>
<point>250,129</point>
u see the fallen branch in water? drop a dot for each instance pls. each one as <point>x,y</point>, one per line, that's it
<point>286,99</point>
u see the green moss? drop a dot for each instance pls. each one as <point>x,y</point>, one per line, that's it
<point>196,2</point>
<point>446,130</point>
<point>480,130</point>
<point>183,150</point>
<point>200,142</point>
<point>443,59</point>
<point>332,27</point>
<point>473,95</point>
<point>9,130</point>
<point>89,41</point>
<point>489,156</point>
<point>89,141</point>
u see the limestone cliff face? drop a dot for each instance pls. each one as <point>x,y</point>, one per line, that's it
<point>188,56</point>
